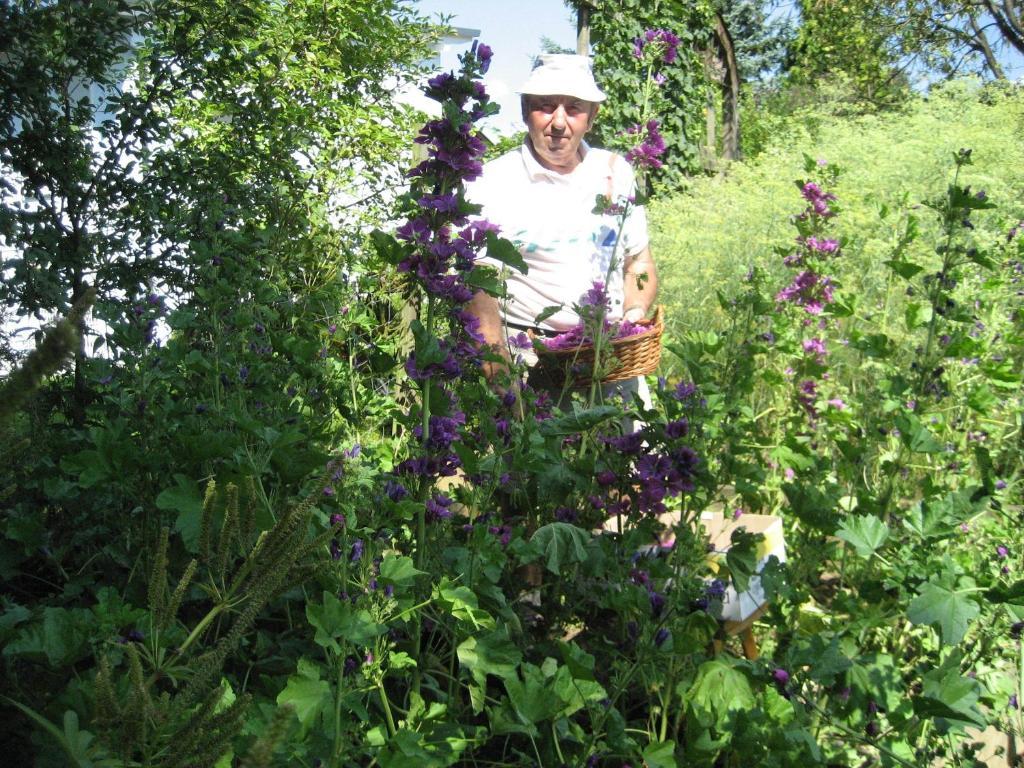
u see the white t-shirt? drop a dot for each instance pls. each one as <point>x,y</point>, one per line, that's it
<point>550,218</point>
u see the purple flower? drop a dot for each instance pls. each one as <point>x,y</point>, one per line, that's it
<point>446,203</point>
<point>660,42</point>
<point>815,347</point>
<point>685,391</point>
<point>646,154</point>
<point>715,590</point>
<point>596,296</point>
<point>677,429</point>
<point>657,601</point>
<point>395,490</point>
<point>1000,485</point>
<point>808,290</point>
<point>437,507</point>
<point>822,246</point>
<point>661,636</point>
<point>1002,552</point>
<point>818,199</point>
<point>357,551</point>
<point>780,676</point>
<point>483,54</point>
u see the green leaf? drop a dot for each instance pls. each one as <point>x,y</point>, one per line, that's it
<point>916,315</point>
<point>866,533</point>
<point>503,250</point>
<point>461,602</point>
<point>660,754</point>
<point>399,570</point>
<point>562,544</point>
<point>306,692</point>
<point>335,620</point>
<point>951,609</point>
<point>719,689</point>
<point>389,249</point>
<point>185,499</point>
<point>579,662</point>
<point>490,654</point>
<point>905,269</point>
<point>916,436</point>
<point>949,697</point>
<point>547,312</point>
<point>486,278</point>
<point>579,421</point>
<point>1013,594</point>
<point>741,557</point>
<point>531,697</point>
<point>982,399</point>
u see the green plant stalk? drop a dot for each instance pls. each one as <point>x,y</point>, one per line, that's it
<point>599,331</point>
<point>599,334</point>
<point>392,730</point>
<point>337,708</point>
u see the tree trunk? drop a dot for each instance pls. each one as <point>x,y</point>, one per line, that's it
<point>583,31</point>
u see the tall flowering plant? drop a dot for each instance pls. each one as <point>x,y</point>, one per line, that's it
<point>810,293</point>
<point>436,249</point>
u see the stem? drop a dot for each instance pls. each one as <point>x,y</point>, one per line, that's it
<point>337,707</point>
<point>387,709</point>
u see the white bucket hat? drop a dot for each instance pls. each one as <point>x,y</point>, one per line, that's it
<point>563,74</point>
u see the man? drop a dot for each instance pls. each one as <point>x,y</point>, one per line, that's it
<point>543,197</point>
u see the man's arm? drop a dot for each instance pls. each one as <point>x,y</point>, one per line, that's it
<point>640,285</point>
<point>485,308</point>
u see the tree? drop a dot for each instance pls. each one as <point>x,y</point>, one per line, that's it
<point>141,141</point>
<point>877,43</point>
<point>760,39</point>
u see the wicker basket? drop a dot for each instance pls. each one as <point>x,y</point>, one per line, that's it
<point>637,355</point>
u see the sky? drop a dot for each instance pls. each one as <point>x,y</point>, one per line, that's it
<point>513,29</point>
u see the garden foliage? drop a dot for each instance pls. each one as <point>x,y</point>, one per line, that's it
<point>615,26</point>
<point>295,531</point>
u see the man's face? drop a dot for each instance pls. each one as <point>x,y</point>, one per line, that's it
<point>557,125</point>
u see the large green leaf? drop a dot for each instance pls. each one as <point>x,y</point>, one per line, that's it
<point>741,557</point>
<point>579,421</point>
<point>306,692</point>
<point>532,698</point>
<point>462,603</point>
<point>950,697</point>
<point>503,250</point>
<point>336,620</point>
<point>398,570</point>
<point>951,609</point>
<point>865,532</point>
<point>720,688</point>
<point>185,499</point>
<point>562,544</point>
<point>660,754</point>
<point>490,654</point>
